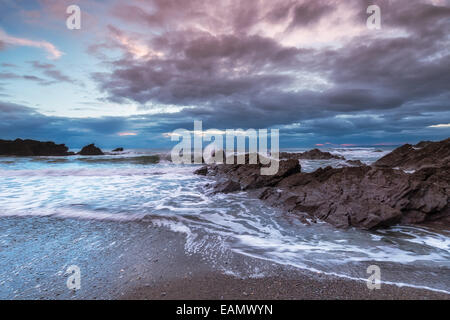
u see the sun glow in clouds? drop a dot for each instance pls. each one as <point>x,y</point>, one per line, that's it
<point>125,134</point>
<point>442,125</point>
<point>133,46</point>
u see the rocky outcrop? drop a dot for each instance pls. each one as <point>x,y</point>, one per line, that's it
<point>203,171</point>
<point>248,175</point>
<point>118,150</point>
<point>314,154</point>
<point>28,147</point>
<point>365,197</point>
<point>91,150</point>
<point>355,163</point>
<point>423,154</point>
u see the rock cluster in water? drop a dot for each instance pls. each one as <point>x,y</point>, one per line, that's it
<point>423,154</point>
<point>314,154</point>
<point>30,148</point>
<point>364,197</point>
<point>25,148</point>
<point>91,150</point>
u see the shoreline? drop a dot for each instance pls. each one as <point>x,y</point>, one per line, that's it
<point>140,260</point>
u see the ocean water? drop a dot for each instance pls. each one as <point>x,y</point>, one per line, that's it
<point>131,187</point>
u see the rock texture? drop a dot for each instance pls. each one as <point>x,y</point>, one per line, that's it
<point>364,197</point>
<point>91,150</point>
<point>314,154</point>
<point>248,175</point>
<point>355,163</point>
<point>423,154</point>
<point>28,147</point>
<point>118,150</point>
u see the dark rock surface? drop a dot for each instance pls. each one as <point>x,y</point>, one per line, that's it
<point>203,171</point>
<point>118,150</point>
<point>28,147</point>
<point>364,196</point>
<point>423,154</point>
<point>314,154</point>
<point>248,175</point>
<point>355,163</point>
<point>91,150</point>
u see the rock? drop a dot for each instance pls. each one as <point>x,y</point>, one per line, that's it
<point>314,154</point>
<point>249,175</point>
<point>91,150</point>
<point>423,144</point>
<point>365,197</point>
<point>423,154</point>
<point>355,163</point>
<point>28,147</point>
<point>227,187</point>
<point>118,150</point>
<point>203,171</point>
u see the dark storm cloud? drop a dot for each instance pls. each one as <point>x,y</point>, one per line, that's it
<point>236,64</point>
<point>308,13</point>
<point>237,79</point>
<point>25,122</point>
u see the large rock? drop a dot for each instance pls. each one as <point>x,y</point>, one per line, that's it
<point>28,147</point>
<point>364,197</point>
<point>249,175</point>
<point>423,154</point>
<point>91,150</point>
<point>314,154</point>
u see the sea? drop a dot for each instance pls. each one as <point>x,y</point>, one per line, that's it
<point>58,211</point>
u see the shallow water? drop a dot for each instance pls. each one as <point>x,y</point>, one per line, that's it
<point>131,187</point>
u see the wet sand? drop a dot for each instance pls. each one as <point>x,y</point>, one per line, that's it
<point>141,260</point>
<point>218,286</point>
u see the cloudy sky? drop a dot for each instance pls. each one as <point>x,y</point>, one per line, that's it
<point>139,69</point>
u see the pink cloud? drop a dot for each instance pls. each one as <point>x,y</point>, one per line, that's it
<point>54,53</point>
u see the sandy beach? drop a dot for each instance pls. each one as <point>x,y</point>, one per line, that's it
<point>138,260</point>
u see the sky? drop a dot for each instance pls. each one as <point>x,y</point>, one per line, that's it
<point>137,70</point>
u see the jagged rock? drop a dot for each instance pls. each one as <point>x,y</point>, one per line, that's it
<point>249,175</point>
<point>364,197</point>
<point>355,163</point>
<point>203,171</point>
<point>91,150</point>
<point>423,154</point>
<point>423,144</point>
<point>118,150</point>
<point>227,187</point>
<point>28,147</point>
<point>314,154</point>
